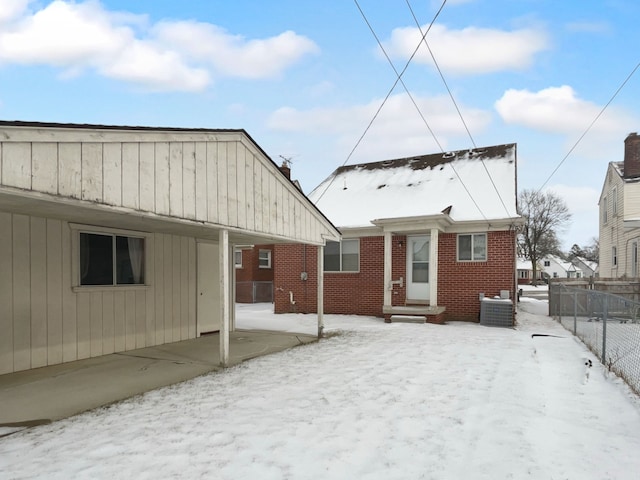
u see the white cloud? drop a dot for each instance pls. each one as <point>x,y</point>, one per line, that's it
<point>560,110</point>
<point>470,50</point>
<point>10,9</point>
<point>234,55</point>
<point>398,129</point>
<point>169,56</point>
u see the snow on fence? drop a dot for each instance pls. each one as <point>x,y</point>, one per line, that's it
<point>609,325</point>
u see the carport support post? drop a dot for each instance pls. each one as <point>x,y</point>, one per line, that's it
<point>320,290</point>
<point>386,297</point>
<point>224,297</point>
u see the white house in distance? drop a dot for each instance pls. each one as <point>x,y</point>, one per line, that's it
<point>620,214</point>
<point>555,267</point>
<point>117,238</point>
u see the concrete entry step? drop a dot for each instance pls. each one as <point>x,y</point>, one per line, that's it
<point>426,313</point>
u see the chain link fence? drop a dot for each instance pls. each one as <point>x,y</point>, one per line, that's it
<point>254,292</point>
<point>609,325</point>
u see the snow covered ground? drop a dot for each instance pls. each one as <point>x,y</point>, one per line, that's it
<point>372,401</point>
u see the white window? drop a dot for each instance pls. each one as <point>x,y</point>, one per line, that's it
<point>605,213</point>
<point>237,255</point>
<point>111,259</point>
<point>614,256</point>
<point>523,274</point>
<point>614,202</point>
<point>547,263</point>
<point>264,259</point>
<point>342,256</point>
<point>472,247</point>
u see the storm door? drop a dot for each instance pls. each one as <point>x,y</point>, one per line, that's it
<point>418,267</point>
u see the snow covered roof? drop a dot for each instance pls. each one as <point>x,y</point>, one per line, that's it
<point>468,185</point>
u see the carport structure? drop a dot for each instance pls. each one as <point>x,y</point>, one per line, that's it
<point>118,238</point>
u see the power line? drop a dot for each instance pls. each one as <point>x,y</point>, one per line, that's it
<point>395,83</point>
<point>455,104</point>
<point>590,125</point>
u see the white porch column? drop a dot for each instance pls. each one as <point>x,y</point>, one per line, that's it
<point>433,268</point>
<point>320,290</point>
<point>224,297</point>
<point>387,268</point>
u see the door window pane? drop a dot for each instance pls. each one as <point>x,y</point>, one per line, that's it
<point>420,273</point>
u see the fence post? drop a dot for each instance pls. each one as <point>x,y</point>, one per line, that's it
<point>605,314</point>
<point>575,311</point>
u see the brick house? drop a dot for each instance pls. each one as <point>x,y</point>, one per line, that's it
<point>428,236</point>
<point>254,273</point>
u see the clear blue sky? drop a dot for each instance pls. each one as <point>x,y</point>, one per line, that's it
<point>304,78</point>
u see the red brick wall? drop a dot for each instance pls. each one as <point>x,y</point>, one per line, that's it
<point>460,283</point>
<point>362,293</point>
<point>250,270</point>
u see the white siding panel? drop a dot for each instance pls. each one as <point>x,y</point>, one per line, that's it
<point>189,180</point>
<point>95,309</point>
<point>108,323</point>
<point>84,324</point>
<point>16,165</point>
<point>183,286</point>
<point>44,166</point>
<point>175,288</point>
<point>130,319</point>
<point>150,319</point>
<point>266,206</point>
<point>147,177</point>
<point>273,195</point>
<point>21,293</point>
<point>158,285</point>
<point>257,196</point>
<point>168,289</point>
<point>119,322</point>
<point>213,189</point>
<point>112,173</point>
<point>232,184</point>
<point>201,198</point>
<point>6,293</point>
<point>70,170</point>
<point>192,288</point>
<point>54,291</point>
<point>241,185</point>
<point>131,175</point>
<point>141,306</point>
<point>223,183</point>
<point>249,195</point>
<point>175,179</point>
<point>162,178</point>
<point>69,305</point>
<point>280,209</point>
<point>92,179</point>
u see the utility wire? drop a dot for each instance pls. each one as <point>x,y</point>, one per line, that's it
<point>395,83</point>
<point>455,104</point>
<point>589,127</point>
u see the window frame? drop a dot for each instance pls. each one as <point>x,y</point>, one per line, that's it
<point>605,211</point>
<point>472,247</point>
<point>614,256</point>
<point>78,229</point>
<point>614,201</point>
<point>236,252</point>
<point>268,259</point>
<point>354,241</point>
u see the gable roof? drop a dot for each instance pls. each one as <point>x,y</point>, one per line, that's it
<point>466,185</point>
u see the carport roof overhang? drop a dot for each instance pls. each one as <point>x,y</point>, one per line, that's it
<point>89,213</point>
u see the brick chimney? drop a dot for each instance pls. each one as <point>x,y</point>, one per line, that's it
<point>286,169</point>
<point>632,156</point>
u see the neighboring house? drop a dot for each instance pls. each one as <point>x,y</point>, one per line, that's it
<point>524,271</point>
<point>556,267</point>
<point>427,235</point>
<point>254,273</point>
<point>588,268</point>
<point>620,214</point>
<point>117,238</point>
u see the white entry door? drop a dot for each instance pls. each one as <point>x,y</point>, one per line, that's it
<point>208,315</point>
<point>418,267</point>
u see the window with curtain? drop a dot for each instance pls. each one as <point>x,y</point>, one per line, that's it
<point>342,256</point>
<point>107,259</point>
<point>264,259</point>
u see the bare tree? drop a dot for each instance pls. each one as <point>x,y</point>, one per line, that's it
<point>545,214</point>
